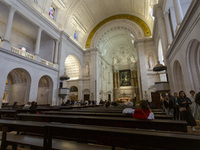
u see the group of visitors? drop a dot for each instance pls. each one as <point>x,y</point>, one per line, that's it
<point>182,107</point>
<point>77,102</point>
<point>28,105</point>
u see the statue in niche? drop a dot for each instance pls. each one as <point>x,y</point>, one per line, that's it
<point>132,58</point>
<point>87,70</point>
<point>151,61</point>
<point>114,61</point>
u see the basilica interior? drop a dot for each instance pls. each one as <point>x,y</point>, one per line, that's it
<point>108,49</point>
<point>97,74</point>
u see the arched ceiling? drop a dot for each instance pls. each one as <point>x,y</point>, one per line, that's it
<point>106,24</point>
<point>84,15</point>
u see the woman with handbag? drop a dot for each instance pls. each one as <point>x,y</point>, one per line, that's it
<point>185,112</point>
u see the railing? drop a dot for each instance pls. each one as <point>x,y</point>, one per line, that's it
<point>28,55</point>
<point>23,53</point>
<point>47,63</point>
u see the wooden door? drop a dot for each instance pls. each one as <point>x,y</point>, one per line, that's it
<point>156,99</point>
<point>86,97</point>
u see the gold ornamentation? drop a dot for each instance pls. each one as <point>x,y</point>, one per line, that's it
<point>137,20</point>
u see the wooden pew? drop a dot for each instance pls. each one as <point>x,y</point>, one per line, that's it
<point>35,141</point>
<point>166,125</point>
<point>124,138</point>
<point>157,115</point>
<point>110,136</point>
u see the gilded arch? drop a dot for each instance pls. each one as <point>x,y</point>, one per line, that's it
<point>139,21</point>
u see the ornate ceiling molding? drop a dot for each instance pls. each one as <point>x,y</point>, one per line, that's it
<point>135,19</point>
<point>113,26</point>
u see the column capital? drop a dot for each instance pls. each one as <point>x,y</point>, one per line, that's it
<point>165,13</point>
<point>40,29</point>
<point>139,43</point>
<point>12,9</point>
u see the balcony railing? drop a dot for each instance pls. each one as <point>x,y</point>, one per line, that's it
<point>28,55</point>
<point>47,63</point>
<point>23,53</point>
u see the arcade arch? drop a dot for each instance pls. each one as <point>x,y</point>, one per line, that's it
<point>72,67</point>
<point>17,87</point>
<point>178,77</point>
<point>45,89</point>
<point>193,63</point>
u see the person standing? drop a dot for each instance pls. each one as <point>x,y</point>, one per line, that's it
<point>168,105</point>
<point>193,105</point>
<point>185,113</point>
<point>177,113</point>
<point>173,102</point>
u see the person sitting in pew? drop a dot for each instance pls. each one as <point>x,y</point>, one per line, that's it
<point>143,112</point>
<point>14,106</point>
<point>27,106</point>
<point>33,105</point>
<point>128,110</point>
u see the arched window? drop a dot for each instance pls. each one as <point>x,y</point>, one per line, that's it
<point>160,52</point>
<point>52,11</point>
<point>72,66</point>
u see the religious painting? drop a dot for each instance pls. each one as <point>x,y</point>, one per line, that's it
<point>73,89</point>
<point>125,77</point>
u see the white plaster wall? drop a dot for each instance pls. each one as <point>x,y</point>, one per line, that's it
<point>47,47</point>
<point>189,30</point>
<point>17,94</point>
<point>43,95</point>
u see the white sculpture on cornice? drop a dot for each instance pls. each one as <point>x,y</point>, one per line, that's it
<point>87,69</point>
<point>132,58</point>
<point>151,63</point>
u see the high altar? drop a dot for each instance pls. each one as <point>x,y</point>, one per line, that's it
<point>126,85</point>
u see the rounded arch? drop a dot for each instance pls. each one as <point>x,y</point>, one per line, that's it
<point>72,66</point>
<point>178,77</point>
<point>73,89</point>
<point>17,86</point>
<point>45,90</point>
<point>73,95</point>
<point>140,22</point>
<point>193,63</point>
<point>160,52</point>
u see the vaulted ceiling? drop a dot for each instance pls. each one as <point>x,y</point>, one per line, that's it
<point>83,16</point>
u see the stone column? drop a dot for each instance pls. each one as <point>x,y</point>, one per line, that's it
<point>142,66</point>
<point>162,28</point>
<point>6,39</point>
<point>168,28</point>
<point>80,89</point>
<point>93,73</point>
<point>178,13</point>
<point>9,24</point>
<point>37,46</point>
<point>55,60</point>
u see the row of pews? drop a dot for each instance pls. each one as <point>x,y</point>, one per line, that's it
<point>94,125</point>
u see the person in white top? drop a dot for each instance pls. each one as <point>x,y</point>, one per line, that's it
<point>128,110</point>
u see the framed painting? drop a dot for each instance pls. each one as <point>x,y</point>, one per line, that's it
<point>125,77</point>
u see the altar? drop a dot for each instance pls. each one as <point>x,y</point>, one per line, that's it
<point>124,99</point>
